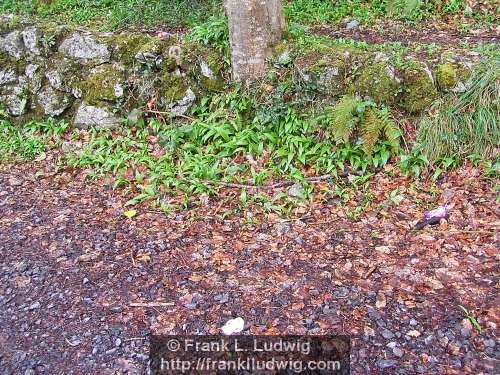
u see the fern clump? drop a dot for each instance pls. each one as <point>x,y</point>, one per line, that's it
<point>373,122</point>
<point>344,118</point>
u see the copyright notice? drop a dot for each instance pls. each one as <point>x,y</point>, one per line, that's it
<point>250,354</point>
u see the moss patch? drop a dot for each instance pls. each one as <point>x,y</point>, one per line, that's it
<point>103,84</point>
<point>125,46</point>
<point>446,76</point>
<point>11,24</point>
<point>419,89</point>
<point>173,87</point>
<point>379,82</point>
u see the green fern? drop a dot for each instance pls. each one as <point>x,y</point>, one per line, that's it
<point>370,130</point>
<point>344,118</point>
<point>391,129</point>
<point>351,111</point>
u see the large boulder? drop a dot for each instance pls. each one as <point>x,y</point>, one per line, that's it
<point>92,116</point>
<point>85,48</point>
<point>53,102</point>
<point>12,44</point>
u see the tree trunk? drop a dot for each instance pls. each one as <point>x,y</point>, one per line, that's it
<point>254,27</point>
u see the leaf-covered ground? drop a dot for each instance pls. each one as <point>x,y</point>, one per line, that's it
<point>72,264</point>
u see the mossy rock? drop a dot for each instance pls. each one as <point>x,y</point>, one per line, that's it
<point>52,35</point>
<point>173,87</point>
<point>105,83</point>
<point>380,82</point>
<point>9,23</point>
<point>325,73</point>
<point>125,46</point>
<point>419,89</point>
<point>205,67</point>
<point>446,76</point>
<point>7,61</point>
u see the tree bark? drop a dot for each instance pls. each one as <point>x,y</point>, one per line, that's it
<point>254,27</point>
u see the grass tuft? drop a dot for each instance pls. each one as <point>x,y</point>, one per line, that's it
<point>465,124</point>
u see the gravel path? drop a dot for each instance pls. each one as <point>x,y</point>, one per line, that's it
<point>71,265</point>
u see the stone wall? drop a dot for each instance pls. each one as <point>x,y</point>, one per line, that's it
<point>100,79</point>
<point>95,79</point>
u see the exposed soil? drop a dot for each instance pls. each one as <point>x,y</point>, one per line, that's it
<point>71,265</point>
<point>407,35</point>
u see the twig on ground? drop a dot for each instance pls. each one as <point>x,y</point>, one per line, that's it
<point>370,271</point>
<point>314,179</point>
<point>151,304</point>
<point>170,114</point>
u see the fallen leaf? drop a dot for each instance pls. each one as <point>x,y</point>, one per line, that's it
<point>130,213</point>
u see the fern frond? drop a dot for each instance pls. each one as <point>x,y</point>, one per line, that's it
<point>344,118</point>
<point>391,129</point>
<point>370,130</point>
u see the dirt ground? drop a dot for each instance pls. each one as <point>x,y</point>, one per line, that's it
<point>72,265</point>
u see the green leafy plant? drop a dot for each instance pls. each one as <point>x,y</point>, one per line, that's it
<point>351,112</point>
<point>469,123</point>
<point>471,318</point>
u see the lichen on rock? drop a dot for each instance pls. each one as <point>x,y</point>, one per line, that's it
<point>85,48</point>
<point>93,116</point>
<point>325,73</point>
<point>52,102</point>
<point>14,97</point>
<point>12,44</point>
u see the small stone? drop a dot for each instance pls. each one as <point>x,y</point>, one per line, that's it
<point>413,333</point>
<point>90,116</point>
<point>14,181</point>
<point>85,281</point>
<point>34,306</point>
<point>413,322</point>
<point>466,328</point>
<point>454,349</point>
<point>387,334</point>
<point>392,344</point>
<point>296,190</point>
<point>381,301</point>
<point>489,343</point>
<point>118,342</point>
<point>385,363</point>
<point>134,116</point>
<point>397,352</point>
<point>352,25</point>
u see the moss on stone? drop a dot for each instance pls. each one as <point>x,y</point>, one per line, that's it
<point>102,84</point>
<point>51,36</point>
<point>446,76</point>
<point>9,24</point>
<point>419,89</point>
<point>205,67</point>
<point>173,87</point>
<point>125,46</point>
<point>379,82</point>
<point>7,61</point>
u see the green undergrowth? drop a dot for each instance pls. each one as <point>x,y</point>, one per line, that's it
<point>236,139</point>
<point>31,141</point>
<point>114,14</point>
<point>232,139</point>
<point>465,124</point>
